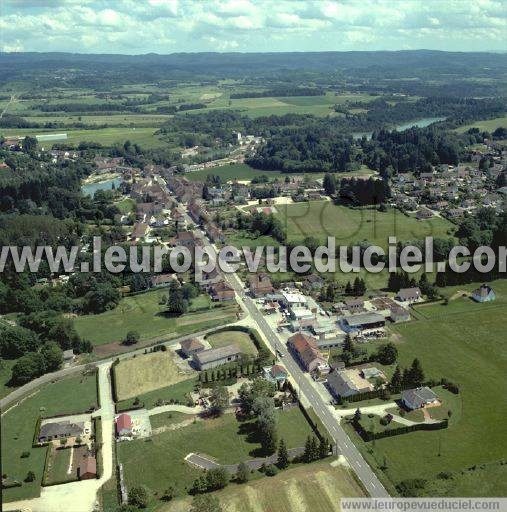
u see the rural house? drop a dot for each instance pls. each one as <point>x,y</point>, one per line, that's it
<point>60,430</point>
<point>344,383</point>
<point>260,285</point>
<point>409,295</point>
<point>419,397</point>
<point>123,425</point>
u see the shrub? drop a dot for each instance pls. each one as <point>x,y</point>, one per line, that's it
<point>271,470</point>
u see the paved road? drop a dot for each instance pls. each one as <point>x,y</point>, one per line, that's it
<point>323,409</point>
<point>201,461</point>
<point>33,385</point>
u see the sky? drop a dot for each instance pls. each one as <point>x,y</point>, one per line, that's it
<point>168,26</point>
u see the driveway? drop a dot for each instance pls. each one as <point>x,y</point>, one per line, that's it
<point>203,462</point>
<point>79,496</point>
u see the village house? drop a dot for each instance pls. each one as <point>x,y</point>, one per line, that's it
<point>139,232</point>
<point>313,282</point>
<point>399,314</point>
<point>214,357</point>
<point>409,295</point>
<point>123,425</point>
<point>260,285</point>
<point>419,397</point>
<point>275,374</point>
<point>306,350</point>
<point>221,291</point>
<point>161,280</point>
<point>484,294</point>
<point>347,382</point>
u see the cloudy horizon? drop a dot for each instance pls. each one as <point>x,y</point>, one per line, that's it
<point>169,26</point>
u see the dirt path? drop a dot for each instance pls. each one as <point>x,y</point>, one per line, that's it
<point>11,100</point>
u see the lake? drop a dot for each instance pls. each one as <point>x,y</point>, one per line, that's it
<point>91,188</point>
<point>419,123</point>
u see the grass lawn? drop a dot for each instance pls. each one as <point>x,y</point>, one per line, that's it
<point>5,376</point>
<point>145,373</point>
<point>314,487</point>
<point>144,314</point>
<point>175,393</point>
<point>241,339</point>
<point>241,172</point>
<point>466,346</point>
<point>126,205</point>
<point>59,460</point>
<point>166,419</point>
<point>62,397</point>
<point>160,460</point>
<point>349,225</point>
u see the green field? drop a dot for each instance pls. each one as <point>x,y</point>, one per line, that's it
<point>238,338</point>
<point>138,120</point>
<point>143,313</point>
<point>316,487</point>
<point>464,342</point>
<point>160,460</point>
<point>351,225</point>
<point>144,136</point>
<point>241,172</point>
<point>489,125</point>
<point>66,396</point>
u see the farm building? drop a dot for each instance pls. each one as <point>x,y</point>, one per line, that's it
<point>260,285</point>
<point>399,314</point>
<point>221,291</point>
<point>419,397</point>
<point>484,294</point>
<point>214,357</point>
<point>362,322</point>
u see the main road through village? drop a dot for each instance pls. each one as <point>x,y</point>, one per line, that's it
<point>306,387</point>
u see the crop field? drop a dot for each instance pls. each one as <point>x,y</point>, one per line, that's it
<point>241,339</point>
<point>145,373</point>
<point>350,225</point>
<point>76,394</point>
<point>315,487</point>
<point>145,310</point>
<point>147,120</point>
<point>489,125</point>
<point>228,441</point>
<point>463,342</point>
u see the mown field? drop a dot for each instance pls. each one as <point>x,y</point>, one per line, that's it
<point>318,487</point>
<point>238,338</point>
<point>76,394</point>
<point>173,393</point>
<point>147,372</point>
<point>160,460</point>
<point>489,125</point>
<point>145,314</point>
<point>351,225</point>
<point>464,342</point>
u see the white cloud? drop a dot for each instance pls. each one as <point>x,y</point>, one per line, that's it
<point>140,26</point>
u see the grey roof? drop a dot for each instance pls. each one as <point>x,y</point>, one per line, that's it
<point>364,319</point>
<point>61,428</point>
<point>216,354</point>
<point>342,384</point>
<point>409,293</point>
<point>419,396</point>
